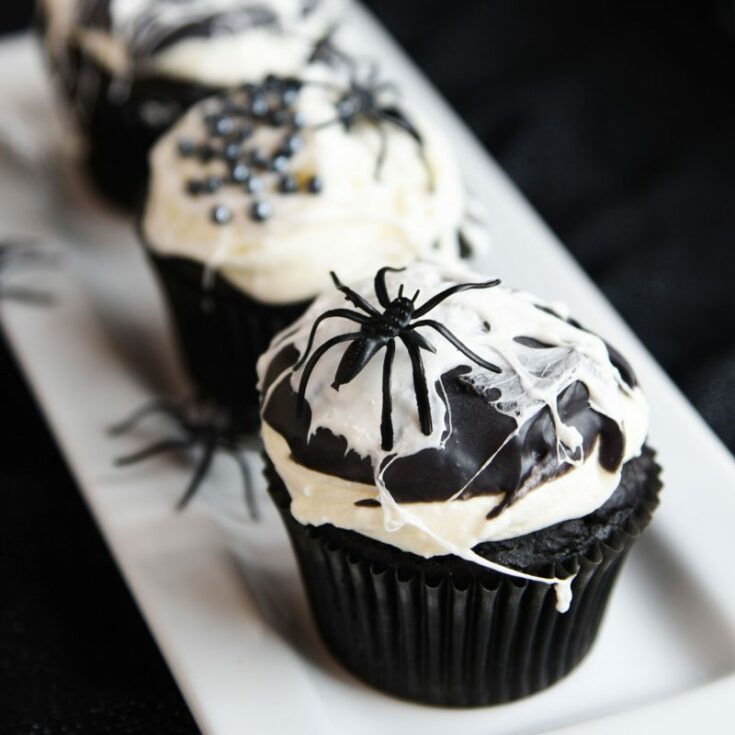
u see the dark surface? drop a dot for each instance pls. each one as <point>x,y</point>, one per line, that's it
<point>617,120</point>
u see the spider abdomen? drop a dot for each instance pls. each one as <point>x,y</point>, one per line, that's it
<point>355,357</point>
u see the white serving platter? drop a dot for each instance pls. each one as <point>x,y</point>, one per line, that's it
<point>236,635</point>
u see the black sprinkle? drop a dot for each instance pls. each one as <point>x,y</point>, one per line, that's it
<point>288,185</point>
<point>232,151</point>
<point>280,118</point>
<point>289,96</point>
<point>194,187</point>
<point>223,126</point>
<point>367,503</point>
<point>244,132</point>
<point>238,110</point>
<point>186,147</point>
<point>221,215</point>
<point>292,144</point>
<point>253,184</point>
<point>206,153</point>
<point>279,163</point>
<point>315,185</point>
<point>212,184</point>
<point>239,173</point>
<point>258,106</point>
<point>272,81</point>
<point>258,158</point>
<point>260,211</point>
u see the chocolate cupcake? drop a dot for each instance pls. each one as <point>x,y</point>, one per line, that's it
<point>462,470</point>
<point>256,193</point>
<point>131,68</point>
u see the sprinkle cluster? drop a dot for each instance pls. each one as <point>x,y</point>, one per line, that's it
<point>229,129</point>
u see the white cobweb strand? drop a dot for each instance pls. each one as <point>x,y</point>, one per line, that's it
<point>488,321</point>
<point>394,517</point>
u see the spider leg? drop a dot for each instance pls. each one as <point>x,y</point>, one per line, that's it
<point>386,87</point>
<point>436,300</point>
<point>372,75</point>
<point>165,406</point>
<point>386,421</point>
<point>353,297</point>
<point>381,291</point>
<point>26,249</point>
<point>247,484</point>
<point>323,85</point>
<point>165,445</point>
<point>421,341</point>
<point>306,374</point>
<point>342,313</point>
<point>199,474</point>
<point>419,383</point>
<point>326,49</point>
<point>462,348</point>
<point>26,296</point>
<point>383,152</point>
<point>395,117</point>
<point>326,123</point>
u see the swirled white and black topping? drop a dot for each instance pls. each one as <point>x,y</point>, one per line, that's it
<point>480,427</point>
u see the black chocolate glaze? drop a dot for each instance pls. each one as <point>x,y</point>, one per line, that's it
<point>478,431</point>
<point>535,553</point>
<point>623,366</point>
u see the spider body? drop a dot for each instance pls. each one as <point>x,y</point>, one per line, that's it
<point>374,336</point>
<point>399,320</point>
<point>362,102</point>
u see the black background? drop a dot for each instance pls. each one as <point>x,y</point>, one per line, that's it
<point>616,119</point>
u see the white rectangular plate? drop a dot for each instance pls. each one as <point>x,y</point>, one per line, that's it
<point>666,653</point>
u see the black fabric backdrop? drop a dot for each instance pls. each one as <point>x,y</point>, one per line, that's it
<point>616,119</point>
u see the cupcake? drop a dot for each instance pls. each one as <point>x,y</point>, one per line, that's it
<point>462,470</point>
<point>256,193</point>
<point>131,68</point>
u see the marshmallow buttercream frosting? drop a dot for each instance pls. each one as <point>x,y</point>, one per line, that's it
<point>273,185</point>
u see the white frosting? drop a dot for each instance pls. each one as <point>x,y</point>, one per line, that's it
<point>531,380</point>
<point>357,224</point>
<point>231,56</point>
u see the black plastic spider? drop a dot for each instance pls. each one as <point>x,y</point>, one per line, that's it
<point>361,102</point>
<point>200,425</point>
<point>381,330</point>
<point>24,254</point>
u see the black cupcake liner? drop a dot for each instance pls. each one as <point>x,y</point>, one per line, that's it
<point>221,333</point>
<point>118,133</point>
<point>464,639</point>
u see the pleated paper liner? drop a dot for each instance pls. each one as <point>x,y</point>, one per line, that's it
<point>221,332</point>
<point>120,129</point>
<point>459,640</point>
